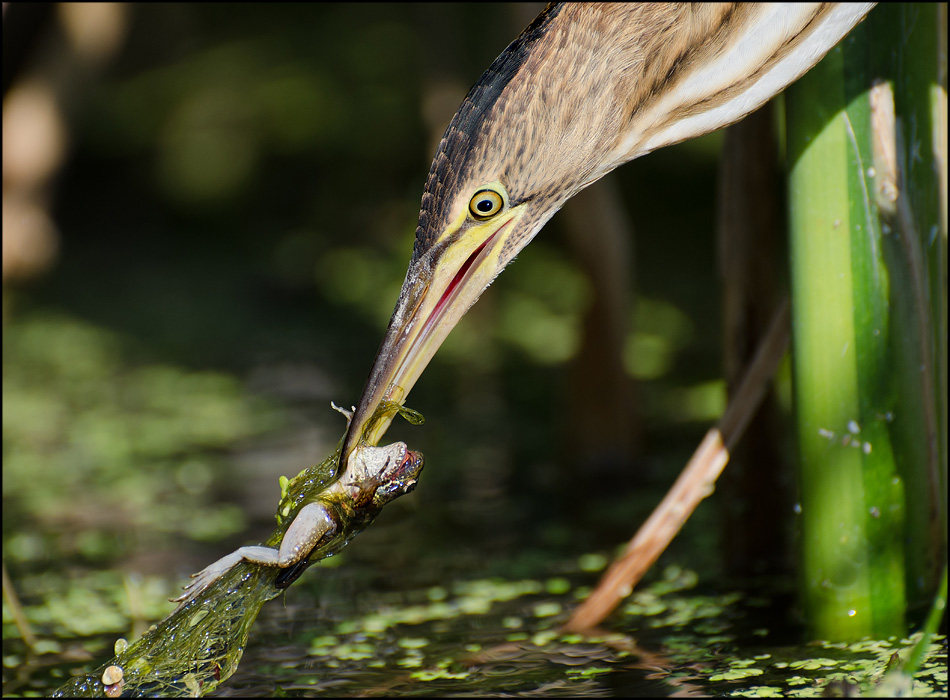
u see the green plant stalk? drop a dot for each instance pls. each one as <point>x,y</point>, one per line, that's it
<point>906,41</point>
<point>867,145</point>
<point>931,626</point>
<point>852,501</point>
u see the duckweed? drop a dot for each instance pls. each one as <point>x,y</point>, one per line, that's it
<point>413,642</point>
<point>557,586</point>
<point>813,664</point>
<point>547,609</point>
<point>588,672</point>
<point>736,674</point>
<point>592,562</point>
<point>511,622</point>
<point>544,638</point>
<point>412,661</point>
<point>760,691</point>
<point>438,674</point>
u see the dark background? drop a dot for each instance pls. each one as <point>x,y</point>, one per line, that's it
<point>237,195</point>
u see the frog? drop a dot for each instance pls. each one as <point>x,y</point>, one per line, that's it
<point>320,511</point>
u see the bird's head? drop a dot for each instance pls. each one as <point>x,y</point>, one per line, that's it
<point>496,178</point>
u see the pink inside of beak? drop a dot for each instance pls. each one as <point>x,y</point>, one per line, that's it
<point>459,276</point>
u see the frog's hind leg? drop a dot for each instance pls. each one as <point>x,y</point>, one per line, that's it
<point>211,573</point>
<point>287,576</point>
<point>309,527</point>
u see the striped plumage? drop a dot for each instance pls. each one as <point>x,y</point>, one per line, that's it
<point>584,89</point>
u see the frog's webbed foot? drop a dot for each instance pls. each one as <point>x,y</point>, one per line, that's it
<point>213,572</point>
<point>348,414</point>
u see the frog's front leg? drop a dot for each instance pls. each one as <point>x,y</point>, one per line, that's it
<point>311,525</point>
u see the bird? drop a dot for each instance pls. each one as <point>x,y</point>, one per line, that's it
<point>585,88</point>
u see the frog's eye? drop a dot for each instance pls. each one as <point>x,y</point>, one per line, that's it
<point>485,204</point>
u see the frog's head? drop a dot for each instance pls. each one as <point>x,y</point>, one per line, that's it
<point>399,478</point>
<point>379,474</point>
<point>370,463</point>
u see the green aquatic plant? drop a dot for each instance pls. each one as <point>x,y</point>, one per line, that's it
<point>200,644</point>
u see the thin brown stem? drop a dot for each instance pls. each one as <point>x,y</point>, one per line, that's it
<point>696,482</point>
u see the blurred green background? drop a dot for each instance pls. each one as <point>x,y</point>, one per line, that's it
<point>234,213</point>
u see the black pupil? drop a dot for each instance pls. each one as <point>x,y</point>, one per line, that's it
<point>484,206</point>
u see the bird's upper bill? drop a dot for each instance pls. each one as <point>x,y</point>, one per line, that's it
<point>440,286</point>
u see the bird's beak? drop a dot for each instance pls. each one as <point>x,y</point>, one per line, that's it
<point>440,287</point>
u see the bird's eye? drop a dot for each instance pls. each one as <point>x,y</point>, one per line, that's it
<point>485,204</point>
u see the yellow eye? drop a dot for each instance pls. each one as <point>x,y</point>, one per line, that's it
<point>485,204</point>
